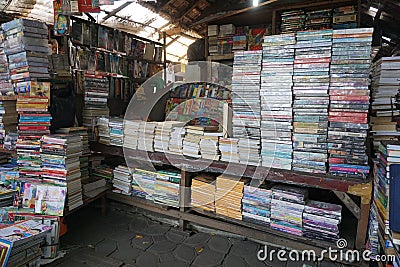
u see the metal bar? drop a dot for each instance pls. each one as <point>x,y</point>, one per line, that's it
<point>115,11</point>
<point>349,203</point>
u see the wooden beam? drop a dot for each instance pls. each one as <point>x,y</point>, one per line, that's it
<point>187,10</point>
<point>167,2</point>
<point>172,41</point>
<point>349,203</point>
<point>115,11</point>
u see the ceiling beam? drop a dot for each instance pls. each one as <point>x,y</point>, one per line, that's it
<point>115,11</point>
<point>164,5</point>
<point>172,41</point>
<point>187,10</point>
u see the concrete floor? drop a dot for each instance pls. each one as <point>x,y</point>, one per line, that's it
<point>126,237</point>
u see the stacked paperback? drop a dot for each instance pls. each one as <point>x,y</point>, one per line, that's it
<point>229,149</point>
<point>311,100</point>
<point>319,19</point>
<point>116,131</point>
<point>5,83</point>
<point>213,40</point>
<point>193,136</point>
<point>292,21</point>
<point>61,165</point>
<point>143,183</point>
<point>228,196</point>
<point>225,39</point>
<point>349,102</point>
<point>276,101</point>
<point>163,132</point>
<point>146,136</point>
<point>166,188</point>
<point>287,208</point>
<point>345,17</point>
<point>256,205</point>
<point>176,140</point>
<point>209,145</point>
<point>122,181</point>
<point>203,192</point>
<point>103,130</point>
<point>321,221</point>
<point>8,118</point>
<point>131,133</point>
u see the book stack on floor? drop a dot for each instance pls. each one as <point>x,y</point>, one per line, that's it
<point>166,188</point>
<point>385,85</point>
<point>116,131</point>
<point>276,101</point>
<point>246,104</point>
<point>287,208</point>
<point>229,149</point>
<point>311,101</point>
<point>143,183</point>
<point>212,40</point>
<point>225,39</point>
<point>131,133</point>
<point>96,93</point>
<point>319,19</point>
<point>26,45</point>
<point>146,136</point>
<point>8,118</point>
<point>122,180</point>
<point>5,82</point>
<point>228,196</point>
<point>176,140</point>
<point>256,205</point>
<point>34,121</point>
<point>209,145</point>
<point>163,134</point>
<point>292,21</point>
<point>349,103</point>
<point>345,17</point>
<point>61,165</point>
<point>203,192</point>
<point>321,221</point>
<point>103,130</point>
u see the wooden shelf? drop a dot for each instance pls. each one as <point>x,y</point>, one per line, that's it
<point>220,57</point>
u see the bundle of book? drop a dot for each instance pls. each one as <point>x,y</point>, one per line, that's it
<point>212,40</point>
<point>201,139</point>
<point>143,183</point>
<point>349,102</point>
<point>166,188</point>
<point>146,136</point>
<point>256,204</point>
<point>229,149</point>
<point>345,17</point>
<point>122,180</point>
<point>175,144</point>
<point>6,87</point>
<point>311,101</point>
<point>116,131</point>
<point>203,192</point>
<point>131,133</point>
<point>318,19</point>
<point>292,21</point>
<point>225,39</point>
<point>163,135</point>
<point>228,196</point>
<point>276,101</point>
<point>103,130</point>
<point>8,118</point>
<point>385,112</point>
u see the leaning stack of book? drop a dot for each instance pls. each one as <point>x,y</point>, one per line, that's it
<point>345,17</point>
<point>103,130</point>
<point>292,21</point>
<point>256,204</point>
<point>349,102</point>
<point>116,126</point>
<point>311,102</point>
<point>143,183</point>
<point>131,133</point>
<point>61,165</point>
<point>276,101</point>
<point>229,149</point>
<point>122,180</point>
<point>34,121</point>
<point>166,188</point>
<point>287,208</point>
<point>385,113</point>
<point>203,192</point>
<point>176,140</point>
<point>146,136</point>
<point>5,82</point>
<point>228,196</point>
<point>321,221</point>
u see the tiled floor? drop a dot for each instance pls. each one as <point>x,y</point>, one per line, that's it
<point>127,238</point>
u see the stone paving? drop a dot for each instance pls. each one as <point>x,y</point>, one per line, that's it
<point>132,239</point>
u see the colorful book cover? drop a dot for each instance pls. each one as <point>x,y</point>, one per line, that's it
<point>256,39</point>
<point>50,200</point>
<point>5,248</point>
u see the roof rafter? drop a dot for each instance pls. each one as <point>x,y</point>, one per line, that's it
<point>116,10</point>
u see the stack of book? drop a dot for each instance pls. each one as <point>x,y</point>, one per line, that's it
<point>321,221</point>
<point>103,130</point>
<point>287,208</point>
<point>163,134</point>
<point>6,195</point>
<point>131,133</point>
<point>116,131</point>
<point>61,165</point>
<point>256,205</point>
<point>229,149</point>
<point>8,118</point>
<point>34,121</point>
<point>191,141</point>
<point>166,188</point>
<point>311,102</point>
<point>209,144</point>
<point>345,17</point>
<point>10,141</point>
<point>203,192</point>
<point>373,235</point>
<point>319,19</point>
<point>212,40</point>
<point>292,21</point>
<point>5,82</point>
<point>349,102</point>
<point>96,88</point>
<point>146,136</point>
<point>102,172</point>
<point>143,183</point>
<point>225,39</point>
<point>276,101</point>
<point>122,180</point>
<point>26,45</point>
<point>384,86</point>
<point>228,196</point>
<point>176,140</point>
<point>249,151</point>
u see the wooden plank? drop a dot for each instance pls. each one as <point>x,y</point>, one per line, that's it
<point>349,203</point>
<point>362,227</point>
<point>184,196</point>
<point>116,10</point>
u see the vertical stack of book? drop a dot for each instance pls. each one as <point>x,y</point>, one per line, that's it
<point>246,103</point>
<point>319,19</point>
<point>103,130</point>
<point>146,136</point>
<point>34,121</point>
<point>213,40</point>
<point>276,101</point>
<point>191,141</point>
<point>163,134</point>
<point>209,147</point>
<point>225,39</point>
<point>122,180</point>
<point>166,188</point>
<point>27,48</point>
<point>256,205</point>
<point>5,82</point>
<point>321,221</point>
<point>373,235</point>
<point>292,21</point>
<point>384,86</point>
<point>131,133</point>
<point>228,196</point>
<point>311,102</point>
<point>349,102</point>
<point>176,140</point>
<point>143,183</point>
<point>229,149</point>
<point>203,192</point>
<point>96,89</point>
<point>345,17</point>
<point>287,208</point>
<point>116,131</point>
<point>61,166</point>
<point>8,118</point>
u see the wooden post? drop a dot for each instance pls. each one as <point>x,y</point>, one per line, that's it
<point>165,57</point>
<point>184,196</point>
